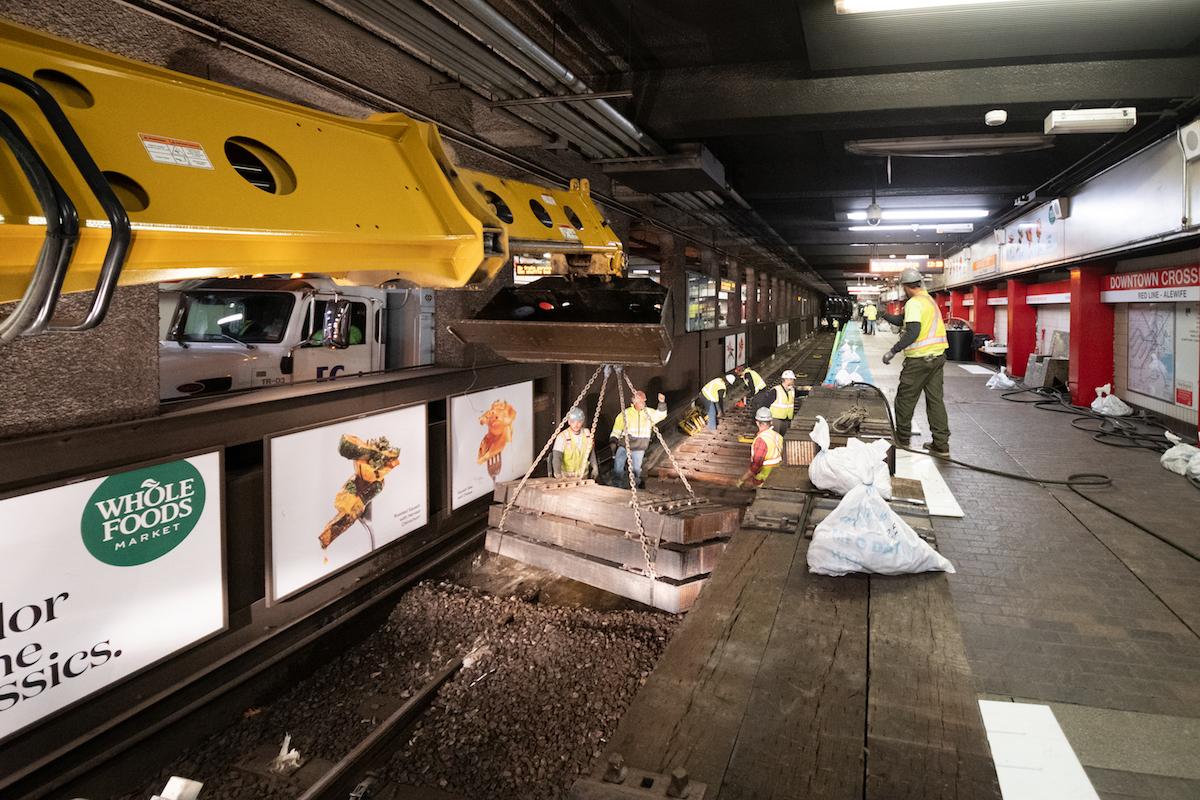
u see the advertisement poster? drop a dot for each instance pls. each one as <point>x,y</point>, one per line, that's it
<point>731,361</point>
<point>1033,239</point>
<point>491,440</point>
<point>341,491</point>
<point>1187,353</point>
<point>741,348</point>
<point>103,578</point>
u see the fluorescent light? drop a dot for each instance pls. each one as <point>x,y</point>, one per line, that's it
<point>229,319</point>
<point>949,227</point>
<point>1091,120</point>
<point>874,6</point>
<point>925,213</point>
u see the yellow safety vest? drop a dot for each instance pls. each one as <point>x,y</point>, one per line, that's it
<point>784,406</point>
<point>713,389</point>
<point>640,423</point>
<point>575,450</point>
<point>870,312</point>
<point>759,383</point>
<point>931,341</point>
<point>774,443</point>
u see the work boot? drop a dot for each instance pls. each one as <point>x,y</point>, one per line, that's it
<point>938,450</point>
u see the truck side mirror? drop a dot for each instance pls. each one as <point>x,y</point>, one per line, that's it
<point>337,324</point>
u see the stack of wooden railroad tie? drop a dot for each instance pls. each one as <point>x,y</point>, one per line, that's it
<point>588,532</point>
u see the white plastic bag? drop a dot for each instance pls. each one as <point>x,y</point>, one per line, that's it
<point>863,534</point>
<point>840,469</point>
<point>844,378</point>
<point>1109,404</point>
<point>1180,457</point>
<point>1193,468</point>
<point>1001,381</point>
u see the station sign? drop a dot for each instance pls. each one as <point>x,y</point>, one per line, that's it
<point>1168,285</point>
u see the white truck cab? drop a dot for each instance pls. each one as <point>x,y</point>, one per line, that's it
<point>228,334</point>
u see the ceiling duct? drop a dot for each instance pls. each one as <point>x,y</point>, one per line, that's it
<point>691,168</point>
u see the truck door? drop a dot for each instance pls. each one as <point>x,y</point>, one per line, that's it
<point>315,362</point>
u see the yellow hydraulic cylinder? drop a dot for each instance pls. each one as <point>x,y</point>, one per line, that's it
<point>219,181</point>
<point>562,223</point>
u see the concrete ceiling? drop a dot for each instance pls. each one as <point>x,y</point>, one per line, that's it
<point>776,88</point>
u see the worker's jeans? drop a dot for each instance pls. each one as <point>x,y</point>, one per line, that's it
<point>712,414</point>
<point>620,473</point>
<point>780,425</point>
<point>868,327</point>
<point>916,376</point>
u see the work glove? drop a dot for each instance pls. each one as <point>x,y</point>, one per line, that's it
<point>662,398</point>
<point>888,356</point>
<point>741,483</point>
<point>614,444</point>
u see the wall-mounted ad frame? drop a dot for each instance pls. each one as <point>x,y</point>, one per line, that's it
<point>106,576</point>
<point>490,436</point>
<point>337,493</point>
<point>741,349</point>
<point>729,343</point>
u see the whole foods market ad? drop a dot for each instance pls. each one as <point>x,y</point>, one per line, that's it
<point>103,578</point>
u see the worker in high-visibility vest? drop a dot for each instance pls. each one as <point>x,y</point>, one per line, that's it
<point>574,454</point>
<point>639,421</point>
<point>766,452</point>
<point>783,406</point>
<point>924,345</point>
<point>869,314</point>
<point>713,395</point>
<point>754,382</point>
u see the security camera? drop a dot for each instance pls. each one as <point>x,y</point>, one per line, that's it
<point>874,214</point>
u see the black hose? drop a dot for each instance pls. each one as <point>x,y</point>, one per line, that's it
<point>1074,482</point>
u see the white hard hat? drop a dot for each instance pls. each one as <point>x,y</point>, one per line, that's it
<point>910,276</point>
<point>730,378</point>
<point>787,373</point>
<point>762,415</point>
<point>576,415</point>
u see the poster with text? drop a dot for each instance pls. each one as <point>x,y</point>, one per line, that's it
<point>103,578</point>
<point>741,348</point>
<point>342,491</point>
<point>731,361</point>
<point>491,440</point>
<point>1187,353</point>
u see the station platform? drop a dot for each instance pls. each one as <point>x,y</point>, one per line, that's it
<point>1061,603</point>
<point>1061,660</point>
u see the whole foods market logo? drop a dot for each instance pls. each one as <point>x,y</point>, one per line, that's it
<point>138,516</point>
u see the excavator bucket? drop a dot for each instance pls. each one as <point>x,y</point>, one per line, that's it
<point>586,320</point>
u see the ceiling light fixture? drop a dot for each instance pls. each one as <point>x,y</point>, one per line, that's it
<point>1091,120</point>
<point>972,144</point>
<point>875,6</point>
<point>949,227</point>
<point>924,213</point>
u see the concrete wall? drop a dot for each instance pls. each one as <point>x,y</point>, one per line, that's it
<point>60,381</point>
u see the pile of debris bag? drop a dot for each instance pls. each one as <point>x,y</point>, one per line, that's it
<point>864,533</point>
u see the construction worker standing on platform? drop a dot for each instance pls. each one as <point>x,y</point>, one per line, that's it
<point>574,454</point>
<point>869,314</point>
<point>766,453</point>
<point>924,344</point>
<point>783,406</point>
<point>639,422</point>
<point>714,398</point>
<point>754,382</point>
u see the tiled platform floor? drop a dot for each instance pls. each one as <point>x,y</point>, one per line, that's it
<point>1058,600</point>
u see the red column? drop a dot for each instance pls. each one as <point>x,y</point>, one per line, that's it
<point>957,309</point>
<point>1022,328</point>
<point>1091,334</point>
<point>985,315</point>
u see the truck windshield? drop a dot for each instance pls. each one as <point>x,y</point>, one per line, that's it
<point>245,316</point>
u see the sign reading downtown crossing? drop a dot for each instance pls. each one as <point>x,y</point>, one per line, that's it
<point>103,578</point>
